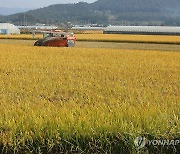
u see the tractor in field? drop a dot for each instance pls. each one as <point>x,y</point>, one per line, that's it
<point>56,39</point>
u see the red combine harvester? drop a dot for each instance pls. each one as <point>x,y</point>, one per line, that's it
<point>57,39</point>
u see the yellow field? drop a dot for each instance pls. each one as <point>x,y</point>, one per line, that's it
<point>21,36</point>
<point>129,38</point>
<point>110,38</point>
<point>85,100</point>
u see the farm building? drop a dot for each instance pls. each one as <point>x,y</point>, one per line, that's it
<point>158,30</point>
<point>38,27</point>
<point>87,28</point>
<point>7,28</point>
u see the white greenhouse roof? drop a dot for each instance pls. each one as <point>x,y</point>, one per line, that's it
<point>11,29</point>
<point>88,28</point>
<point>38,27</point>
<point>141,29</point>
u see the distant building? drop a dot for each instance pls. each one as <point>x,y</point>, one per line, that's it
<point>76,27</point>
<point>38,27</point>
<point>7,28</point>
<point>151,30</point>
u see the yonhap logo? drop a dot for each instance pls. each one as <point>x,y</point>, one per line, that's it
<point>140,142</point>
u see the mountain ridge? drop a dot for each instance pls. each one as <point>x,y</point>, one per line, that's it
<point>104,12</point>
<point>9,11</point>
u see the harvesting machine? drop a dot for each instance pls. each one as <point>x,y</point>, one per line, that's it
<point>56,39</point>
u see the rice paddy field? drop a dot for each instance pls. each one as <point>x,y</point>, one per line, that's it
<point>122,38</point>
<point>93,98</point>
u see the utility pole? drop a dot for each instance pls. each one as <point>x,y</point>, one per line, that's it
<point>24,20</point>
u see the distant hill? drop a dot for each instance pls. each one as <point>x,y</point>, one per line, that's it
<point>104,11</point>
<point>9,11</point>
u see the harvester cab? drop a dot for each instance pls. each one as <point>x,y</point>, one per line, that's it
<point>56,39</point>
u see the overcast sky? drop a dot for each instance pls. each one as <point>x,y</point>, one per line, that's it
<point>36,3</point>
